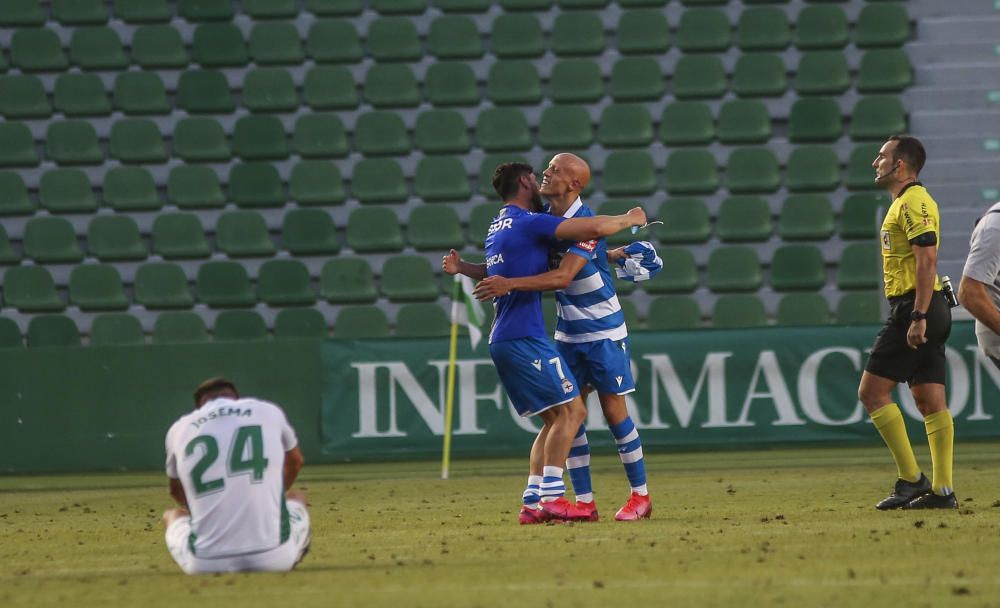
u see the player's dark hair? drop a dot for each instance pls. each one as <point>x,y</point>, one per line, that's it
<point>214,387</point>
<point>506,177</point>
<point>909,150</point>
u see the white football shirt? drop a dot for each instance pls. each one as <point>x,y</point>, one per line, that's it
<point>229,455</point>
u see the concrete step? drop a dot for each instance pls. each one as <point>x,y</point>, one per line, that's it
<point>920,9</point>
<point>959,195</point>
<point>983,172</point>
<point>958,27</point>
<point>933,98</point>
<point>956,122</point>
<point>931,53</point>
<point>954,148</point>
<point>944,75</point>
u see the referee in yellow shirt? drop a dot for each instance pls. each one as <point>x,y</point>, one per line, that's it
<point>910,347</point>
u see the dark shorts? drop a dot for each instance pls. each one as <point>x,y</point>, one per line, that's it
<point>892,357</point>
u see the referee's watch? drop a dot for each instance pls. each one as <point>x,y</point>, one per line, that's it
<point>916,315</point>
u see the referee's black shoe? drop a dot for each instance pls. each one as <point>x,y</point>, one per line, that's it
<point>931,500</point>
<point>904,492</point>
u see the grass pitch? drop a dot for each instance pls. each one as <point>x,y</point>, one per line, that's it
<point>758,528</point>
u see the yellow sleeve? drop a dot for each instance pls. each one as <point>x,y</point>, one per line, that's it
<point>918,215</point>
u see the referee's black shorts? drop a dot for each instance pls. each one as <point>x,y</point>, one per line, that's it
<point>892,357</point>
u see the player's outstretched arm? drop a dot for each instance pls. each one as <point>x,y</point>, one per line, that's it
<point>293,464</point>
<point>590,228</point>
<point>453,264</point>
<point>557,278</point>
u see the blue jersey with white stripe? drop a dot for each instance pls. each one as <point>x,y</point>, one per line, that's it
<point>517,245</point>
<point>588,309</point>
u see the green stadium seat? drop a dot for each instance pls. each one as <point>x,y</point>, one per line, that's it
<point>316,182</point>
<point>239,326</point>
<point>115,237</point>
<point>399,7</point>
<point>673,312</point>
<point>260,138</point>
<point>256,184</point>
<point>393,39</point>
<point>97,48</point>
<point>884,71</point>
<point>284,283</point>
<point>877,117</point>
<point>736,311</point>
<point>217,45</point>
<point>391,86</point>
<point>269,90</point>
<point>309,232</point>
<point>744,121</point>
<point>200,139</point>
<point>162,285</point>
<point>408,278</point>
<point>441,179</point>
<point>797,268</point>
<point>52,331</point>
<point>140,93</point>
<point>821,27</point>
<point>37,50</point>
<point>864,308</point>
<point>565,127</point>
<point>422,320</point>
<point>441,132</point>
<point>815,120</point>
<point>517,36</point>
<point>194,187</point>
<point>347,281</point>
<point>271,9</point>
<point>4,66</point>
<point>806,217</point>
<point>882,24</point>
<point>452,84</point>
<point>488,165</point>
<point>224,285</point>
<point>629,173</point>
<point>377,181</point>
<point>31,289</point>
<point>861,216</point>
<point>204,10</point>
<point>23,96</point>
<point>691,172</point>
<point>822,73</point>
<point>80,12</point>
<point>323,136</point>
<point>734,268</point>
<point>744,218</point>
<point>503,130</point>
<point>514,82</point>
<point>480,219</point>
<point>18,148</point>
<point>704,30</point>
<point>679,274</point>
<point>643,32</point>
<point>703,2</point>
<point>860,175</point>
<point>860,267</point>
<point>130,189</point>
<point>763,28</point>
<point>275,44</point>
<point>333,41</point>
<point>625,125</point>
<point>798,309</point>
<point>752,170</point>
<point>381,133</point>
<point>330,88</point>
<point>463,6</point>
<point>300,324</point>
<point>577,33</point>
<point>116,329</point>
<point>636,79</point>
<point>685,220</point>
<point>142,11</point>
<point>581,4</point>
<point>619,239</point>
<point>80,95</point>
<point>243,234</point>
<point>66,191</point>
<point>759,75</point>
<point>454,37</point>
<point>158,47</point>
<point>361,322</point>
<point>137,140</point>
<point>204,92</point>
<point>687,122</point>
<point>813,168</point>
<point>526,5</point>
<point>178,236</point>
<point>179,328</point>
<point>73,142</point>
<point>374,229</point>
<point>22,13</point>
<point>335,8</point>
<point>434,229</point>
<point>13,193</point>
<point>699,77</point>
<point>7,254</point>
<point>576,81</point>
<point>96,287</point>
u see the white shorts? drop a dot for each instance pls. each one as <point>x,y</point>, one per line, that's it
<point>280,559</point>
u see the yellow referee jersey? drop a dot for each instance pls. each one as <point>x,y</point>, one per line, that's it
<point>913,213</point>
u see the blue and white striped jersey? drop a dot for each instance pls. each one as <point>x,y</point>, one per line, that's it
<point>588,309</point>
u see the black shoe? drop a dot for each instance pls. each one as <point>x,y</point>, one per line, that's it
<point>931,500</point>
<point>904,492</point>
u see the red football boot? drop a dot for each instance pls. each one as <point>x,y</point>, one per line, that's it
<point>561,509</point>
<point>588,507</point>
<point>637,507</point>
<point>529,516</point>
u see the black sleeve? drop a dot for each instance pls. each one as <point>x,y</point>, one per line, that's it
<point>927,239</point>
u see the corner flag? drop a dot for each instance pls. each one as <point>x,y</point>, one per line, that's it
<point>465,310</point>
